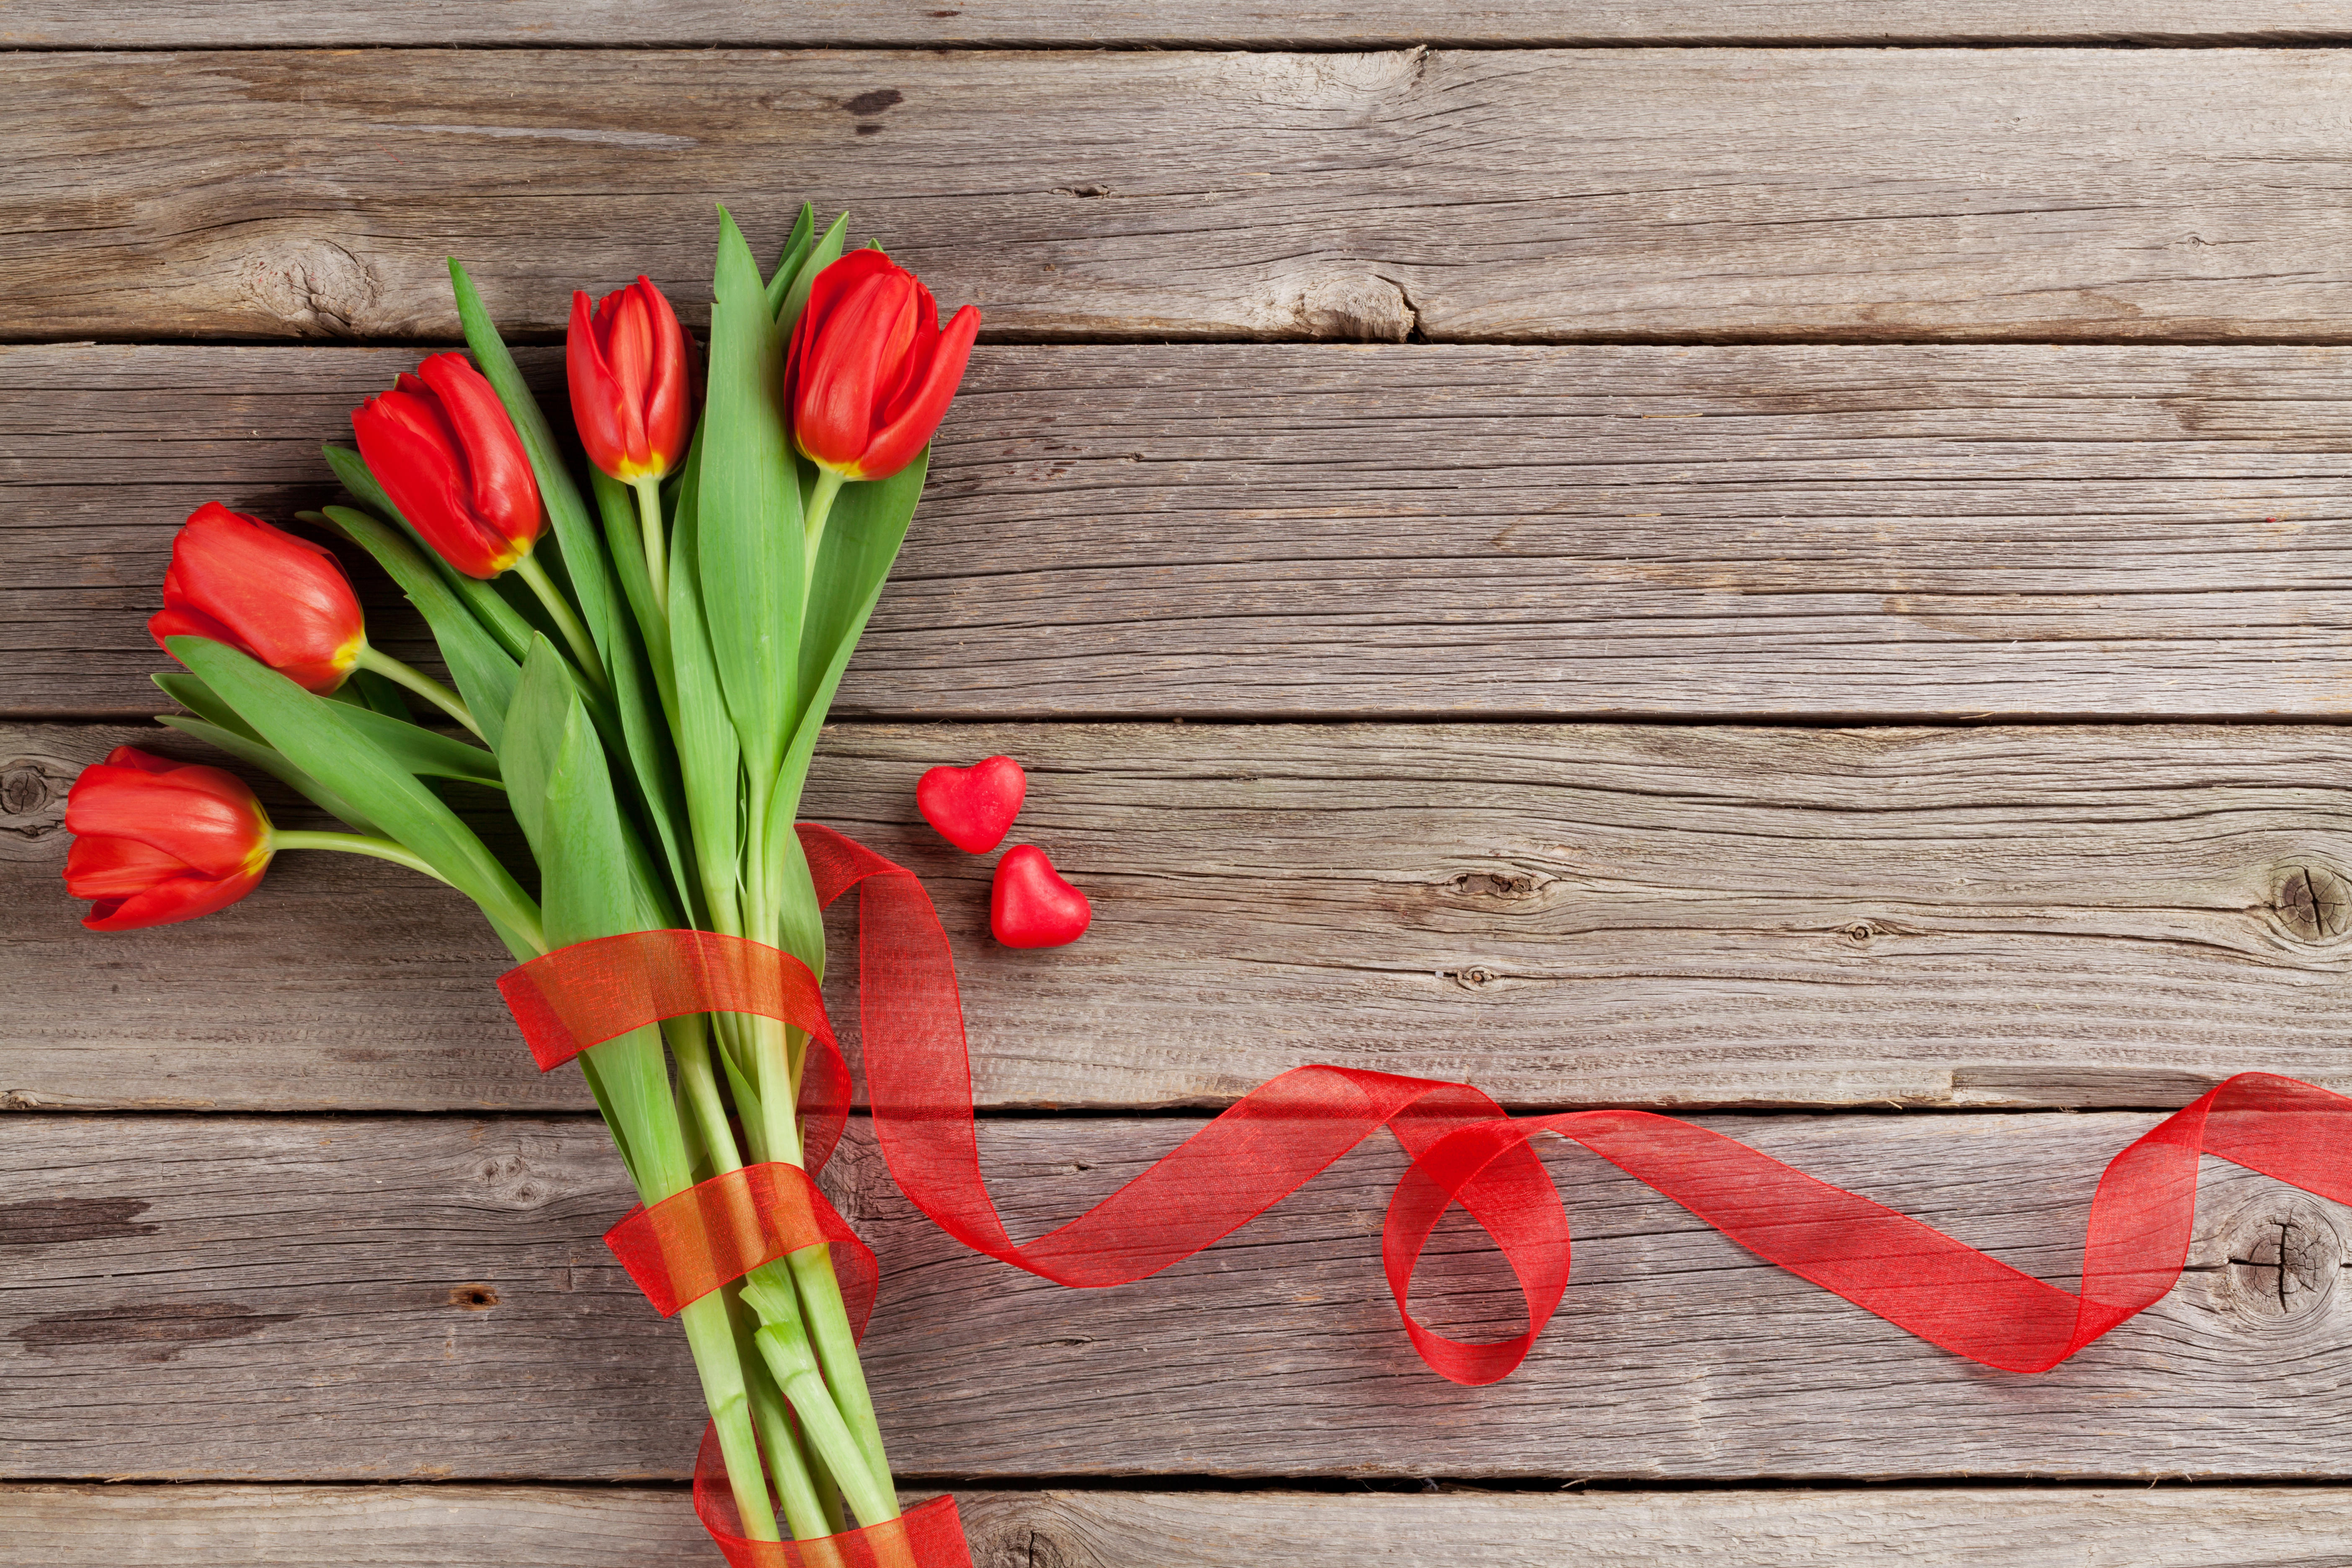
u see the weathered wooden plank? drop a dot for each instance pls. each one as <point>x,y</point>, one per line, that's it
<point>557,1527</point>
<point>1486,194</point>
<point>1299,532</point>
<point>1565,915</point>
<point>1213,24</point>
<point>361,1299</point>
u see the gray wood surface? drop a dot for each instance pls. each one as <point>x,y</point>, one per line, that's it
<point>231,24</point>
<point>638,1527</point>
<point>1304,532</point>
<point>225,1299</point>
<point>1563,915</point>
<point>1482,195</point>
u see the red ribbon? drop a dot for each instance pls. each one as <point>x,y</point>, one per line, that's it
<point>690,1244</point>
<point>927,1536</point>
<point>1464,1149</point>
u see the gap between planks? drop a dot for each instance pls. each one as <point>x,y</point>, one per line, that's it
<point>1565,915</point>
<point>1301,532</point>
<point>513,1527</point>
<point>229,1298</point>
<point>1654,192</point>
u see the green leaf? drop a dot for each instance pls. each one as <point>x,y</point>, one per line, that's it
<point>824,254</point>
<point>788,265</point>
<point>317,737</point>
<point>749,514</point>
<point>709,756</point>
<point>377,694</point>
<point>484,671</point>
<point>258,754</point>
<point>545,700</point>
<point>427,753</point>
<point>201,700</point>
<point>584,551</point>
<point>482,598</point>
<point>590,879</point>
<point>862,539</point>
<point>423,751</point>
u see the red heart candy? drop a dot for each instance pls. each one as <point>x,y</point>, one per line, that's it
<point>1030,906</point>
<point>974,808</point>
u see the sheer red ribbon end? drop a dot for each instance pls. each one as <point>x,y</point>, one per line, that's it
<point>929,1536</point>
<point>1465,1151</point>
<point>685,1246</point>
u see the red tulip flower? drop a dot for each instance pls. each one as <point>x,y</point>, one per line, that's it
<point>441,445</point>
<point>631,394</point>
<point>870,373</point>
<point>283,600</point>
<point>156,841</point>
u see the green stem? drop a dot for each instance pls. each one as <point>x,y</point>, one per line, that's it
<point>836,1344</point>
<point>354,843</point>
<point>424,685</point>
<point>828,486</point>
<point>786,1351</point>
<point>567,621</point>
<point>649,521</point>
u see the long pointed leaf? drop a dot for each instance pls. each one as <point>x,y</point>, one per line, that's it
<point>313,734</point>
<point>749,519</point>
<point>795,251</point>
<point>709,756</point>
<point>824,254</point>
<point>483,671</point>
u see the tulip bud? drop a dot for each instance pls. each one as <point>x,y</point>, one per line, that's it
<point>870,373</point>
<point>157,842</point>
<point>631,394</point>
<point>441,445</point>
<point>283,600</point>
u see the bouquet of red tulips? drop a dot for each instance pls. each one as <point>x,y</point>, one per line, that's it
<point>642,669</point>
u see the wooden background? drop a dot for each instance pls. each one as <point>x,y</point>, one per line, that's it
<point>1778,561</point>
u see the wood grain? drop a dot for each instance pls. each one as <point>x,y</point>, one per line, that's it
<point>1474,195</point>
<point>1300,531</point>
<point>1214,24</point>
<point>224,1298</point>
<point>640,1527</point>
<point>1563,915</point>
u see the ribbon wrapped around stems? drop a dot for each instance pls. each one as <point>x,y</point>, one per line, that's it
<point>1464,1150</point>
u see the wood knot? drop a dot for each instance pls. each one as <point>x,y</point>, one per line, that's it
<point>1860,932</point>
<point>1477,977</point>
<point>2312,902</point>
<point>513,1183</point>
<point>32,798</point>
<point>1488,888</point>
<point>1354,308</point>
<point>2284,1254</point>
<point>473,1297</point>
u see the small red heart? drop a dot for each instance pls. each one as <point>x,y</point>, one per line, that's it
<point>1030,906</point>
<point>974,808</point>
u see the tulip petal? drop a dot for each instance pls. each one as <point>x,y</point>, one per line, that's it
<point>168,902</point>
<point>596,396</point>
<point>201,817</point>
<point>500,488</point>
<point>106,866</point>
<point>926,403</point>
<point>284,600</point>
<point>840,383</point>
